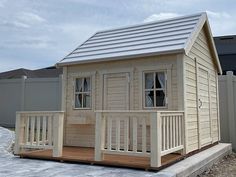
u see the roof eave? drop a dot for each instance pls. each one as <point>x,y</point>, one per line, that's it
<point>214,48</point>
<point>193,36</point>
<point>61,64</point>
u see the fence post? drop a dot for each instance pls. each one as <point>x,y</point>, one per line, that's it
<point>99,137</point>
<point>22,105</point>
<point>230,105</point>
<point>155,121</point>
<point>58,121</point>
<point>18,133</point>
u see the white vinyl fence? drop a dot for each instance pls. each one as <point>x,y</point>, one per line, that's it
<point>28,94</point>
<point>227,104</point>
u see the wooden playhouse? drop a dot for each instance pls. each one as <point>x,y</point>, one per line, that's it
<point>140,96</point>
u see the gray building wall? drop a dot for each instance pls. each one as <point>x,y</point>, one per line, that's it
<point>32,94</point>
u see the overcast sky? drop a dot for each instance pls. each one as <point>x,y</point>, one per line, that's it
<point>38,33</point>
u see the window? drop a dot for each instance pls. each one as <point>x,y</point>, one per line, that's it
<point>155,89</point>
<point>83,93</point>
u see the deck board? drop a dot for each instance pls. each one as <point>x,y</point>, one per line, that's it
<point>86,155</point>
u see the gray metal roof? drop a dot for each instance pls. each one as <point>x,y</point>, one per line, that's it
<point>166,36</point>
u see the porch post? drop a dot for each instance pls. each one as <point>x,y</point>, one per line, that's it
<point>58,121</point>
<point>18,133</point>
<point>99,137</point>
<point>155,121</point>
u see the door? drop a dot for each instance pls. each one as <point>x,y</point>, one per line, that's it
<point>116,97</point>
<point>116,91</point>
<point>204,117</point>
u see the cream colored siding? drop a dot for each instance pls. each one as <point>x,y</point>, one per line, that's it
<point>202,53</point>
<point>191,104</point>
<point>83,134</point>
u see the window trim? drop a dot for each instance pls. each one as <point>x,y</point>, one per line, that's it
<point>156,89</point>
<point>76,93</point>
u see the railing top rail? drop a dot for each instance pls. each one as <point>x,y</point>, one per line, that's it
<point>40,112</point>
<point>136,111</point>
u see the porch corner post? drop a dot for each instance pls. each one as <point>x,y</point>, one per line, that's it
<point>99,136</point>
<point>58,122</point>
<point>155,121</point>
<point>18,135</point>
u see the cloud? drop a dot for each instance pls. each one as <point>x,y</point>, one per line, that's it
<point>218,15</point>
<point>30,18</point>
<point>222,23</point>
<point>41,42</point>
<point>13,24</point>
<point>161,16</point>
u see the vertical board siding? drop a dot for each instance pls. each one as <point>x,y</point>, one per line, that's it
<point>84,134</point>
<point>201,51</point>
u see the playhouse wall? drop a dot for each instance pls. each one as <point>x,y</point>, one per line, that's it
<point>80,124</point>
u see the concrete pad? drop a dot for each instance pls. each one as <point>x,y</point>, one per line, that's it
<point>198,163</point>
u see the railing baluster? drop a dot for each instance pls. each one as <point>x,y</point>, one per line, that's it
<point>174,130</point>
<point>49,130</point>
<point>27,129</point>
<point>167,132</point>
<point>117,133</point>
<point>177,130</point>
<point>126,134</point>
<point>109,133</point>
<point>144,135</point>
<point>32,127</point>
<point>135,126</point>
<point>171,131</point>
<point>38,130</point>
<point>164,132</point>
<point>44,130</point>
<point>180,128</point>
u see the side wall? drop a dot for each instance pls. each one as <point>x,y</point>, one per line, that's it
<point>79,124</point>
<point>200,53</point>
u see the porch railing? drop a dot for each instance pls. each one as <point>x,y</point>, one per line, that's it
<point>139,133</point>
<point>39,130</point>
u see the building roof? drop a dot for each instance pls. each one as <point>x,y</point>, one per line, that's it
<point>173,35</point>
<point>39,73</point>
<point>226,48</point>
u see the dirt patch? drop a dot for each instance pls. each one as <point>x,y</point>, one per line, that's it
<point>224,168</point>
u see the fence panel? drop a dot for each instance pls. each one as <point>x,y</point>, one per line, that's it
<point>32,94</point>
<point>227,104</point>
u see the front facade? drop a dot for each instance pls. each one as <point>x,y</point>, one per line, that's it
<point>147,90</point>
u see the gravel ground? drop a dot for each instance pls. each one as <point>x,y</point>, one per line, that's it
<point>224,168</point>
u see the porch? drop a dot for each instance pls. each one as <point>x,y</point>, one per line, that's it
<point>86,155</point>
<point>136,139</point>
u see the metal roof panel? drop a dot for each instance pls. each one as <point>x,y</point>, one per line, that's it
<point>155,37</point>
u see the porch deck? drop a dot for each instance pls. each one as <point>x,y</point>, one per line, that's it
<point>86,155</point>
